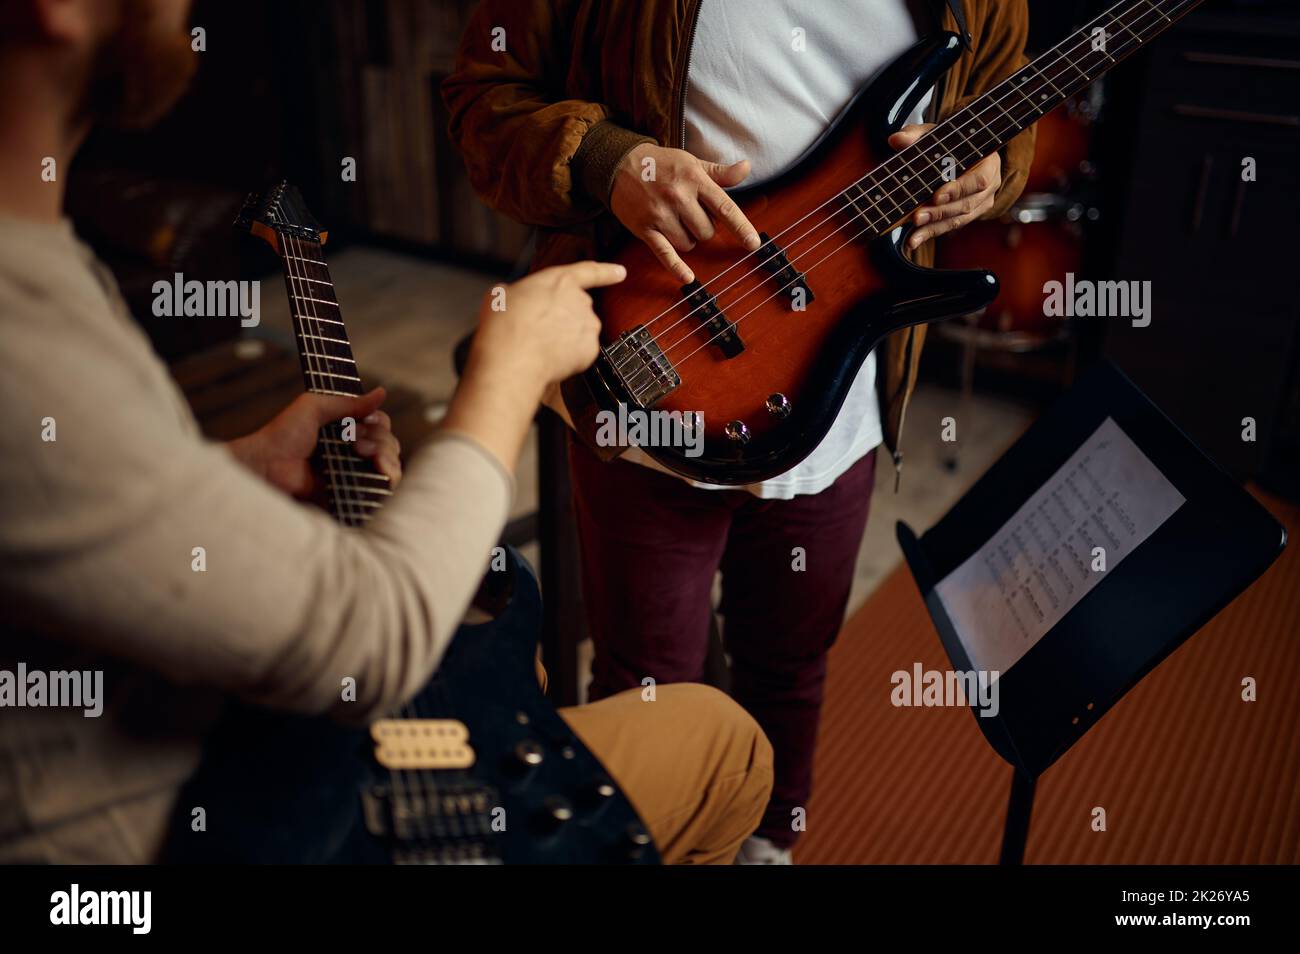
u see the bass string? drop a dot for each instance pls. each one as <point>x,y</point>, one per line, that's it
<point>905,158</point>
<point>638,387</point>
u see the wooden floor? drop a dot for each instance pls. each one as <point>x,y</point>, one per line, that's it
<point>1186,771</point>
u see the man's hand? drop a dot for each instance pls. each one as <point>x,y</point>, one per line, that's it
<point>542,328</point>
<point>531,334</point>
<point>679,204</point>
<point>959,202</point>
<point>280,452</point>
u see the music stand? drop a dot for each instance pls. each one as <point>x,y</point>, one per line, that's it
<point>1212,547</point>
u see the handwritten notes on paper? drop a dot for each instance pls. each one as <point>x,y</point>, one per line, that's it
<point>1093,512</point>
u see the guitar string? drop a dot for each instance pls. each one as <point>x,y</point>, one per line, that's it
<point>638,387</point>
<point>938,136</point>
<point>875,173</point>
<point>1185,3</point>
<point>903,155</point>
<point>341,486</point>
<point>424,782</point>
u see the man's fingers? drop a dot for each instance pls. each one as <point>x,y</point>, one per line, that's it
<point>726,176</point>
<point>722,206</point>
<point>596,274</point>
<point>333,407</point>
<point>696,220</point>
<point>667,255</point>
<point>909,134</point>
<point>921,236</point>
<point>391,467</point>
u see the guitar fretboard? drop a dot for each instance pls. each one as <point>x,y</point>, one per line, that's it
<point>888,194</point>
<point>355,488</point>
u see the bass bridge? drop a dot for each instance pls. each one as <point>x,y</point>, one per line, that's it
<point>641,368</point>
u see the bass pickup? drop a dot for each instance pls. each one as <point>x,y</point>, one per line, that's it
<point>788,278</point>
<point>704,307</point>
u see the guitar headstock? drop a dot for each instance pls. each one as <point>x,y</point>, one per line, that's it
<point>279,211</point>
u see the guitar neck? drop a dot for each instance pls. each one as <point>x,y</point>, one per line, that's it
<point>907,180</point>
<point>355,489</point>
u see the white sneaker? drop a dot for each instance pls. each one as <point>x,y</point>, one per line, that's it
<point>757,850</point>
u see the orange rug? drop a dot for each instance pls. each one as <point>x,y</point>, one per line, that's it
<point>1187,772</point>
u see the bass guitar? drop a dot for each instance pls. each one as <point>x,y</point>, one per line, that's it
<point>477,768</point>
<point>761,349</point>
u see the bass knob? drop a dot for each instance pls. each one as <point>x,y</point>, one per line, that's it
<point>525,757</point>
<point>635,840</point>
<point>555,811</point>
<point>778,405</point>
<point>597,793</point>
<point>737,432</point>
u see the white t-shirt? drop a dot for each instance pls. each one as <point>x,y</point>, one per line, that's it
<point>766,78</point>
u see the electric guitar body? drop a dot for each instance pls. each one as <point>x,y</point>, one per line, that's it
<point>862,292</point>
<point>762,348</point>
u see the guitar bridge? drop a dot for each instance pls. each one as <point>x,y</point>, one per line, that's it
<point>446,822</point>
<point>788,278</point>
<point>641,367</point>
<point>704,307</point>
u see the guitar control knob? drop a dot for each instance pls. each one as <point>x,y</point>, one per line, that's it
<point>555,811</point>
<point>737,432</point>
<point>778,405</point>
<point>527,755</point>
<point>636,840</point>
<point>597,793</point>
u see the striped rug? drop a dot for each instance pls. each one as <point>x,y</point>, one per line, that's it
<point>1186,771</point>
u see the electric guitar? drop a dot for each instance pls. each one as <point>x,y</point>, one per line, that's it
<point>761,349</point>
<point>478,768</point>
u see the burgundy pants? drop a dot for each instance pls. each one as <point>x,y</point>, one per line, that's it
<point>650,546</point>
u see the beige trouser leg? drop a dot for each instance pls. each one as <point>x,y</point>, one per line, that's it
<point>695,765</point>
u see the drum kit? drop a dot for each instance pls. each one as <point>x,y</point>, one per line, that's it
<point>1038,240</point>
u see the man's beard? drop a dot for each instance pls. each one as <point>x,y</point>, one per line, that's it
<point>140,72</point>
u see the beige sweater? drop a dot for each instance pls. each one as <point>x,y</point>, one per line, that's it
<point>97,533</point>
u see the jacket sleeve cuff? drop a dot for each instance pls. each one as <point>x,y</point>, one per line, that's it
<point>598,156</point>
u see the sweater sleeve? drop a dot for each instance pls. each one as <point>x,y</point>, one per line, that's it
<point>531,153</point>
<point>999,52</point>
<point>129,535</point>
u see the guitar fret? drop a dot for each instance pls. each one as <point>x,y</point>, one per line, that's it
<point>353,459</point>
<point>1157,10</point>
<point>328,321</point>
<point>327,357</point>
<point>331,374</point>
<point>368,491</point>
<point>342,341</point>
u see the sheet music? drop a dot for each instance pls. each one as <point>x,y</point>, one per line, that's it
<point>1011,591</point>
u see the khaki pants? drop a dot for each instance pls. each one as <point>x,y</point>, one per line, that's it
<point>696,767</point>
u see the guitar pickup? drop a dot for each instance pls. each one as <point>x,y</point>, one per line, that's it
<point>788,278</point>
<point>722,332</point>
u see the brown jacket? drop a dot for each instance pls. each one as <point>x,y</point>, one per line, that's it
<point>543,123</point>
